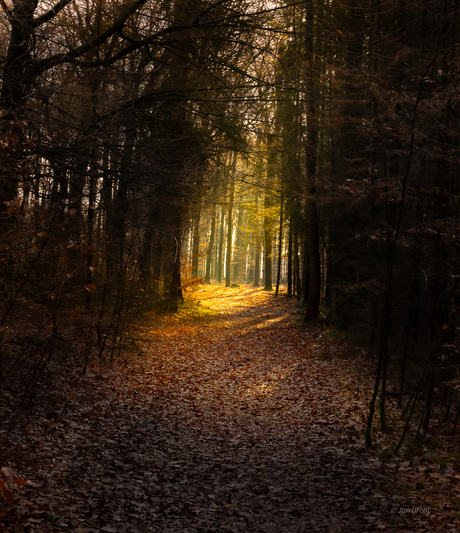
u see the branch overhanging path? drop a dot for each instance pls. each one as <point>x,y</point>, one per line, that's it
<point>225,423</point>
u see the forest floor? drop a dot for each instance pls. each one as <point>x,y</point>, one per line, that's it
<point>232,416</point>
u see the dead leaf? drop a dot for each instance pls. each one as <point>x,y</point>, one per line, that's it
<point>8,472</point>
<point>6,493</point>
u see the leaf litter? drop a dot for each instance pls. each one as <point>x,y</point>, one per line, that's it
<point>234,417</point>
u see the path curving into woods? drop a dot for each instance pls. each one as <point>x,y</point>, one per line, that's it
<point>237,417</point>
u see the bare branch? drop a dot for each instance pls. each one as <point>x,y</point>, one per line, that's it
<point>49,15</point>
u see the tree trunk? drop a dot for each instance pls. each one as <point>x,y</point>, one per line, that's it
<point>314,292</point>
<point>297,284</point>
<point>228,262</point>
<point>220,259</point>
<point>196,244</point>
<point>238,251</point>
<point>257,251</point>
<point>268,244</point>
<point>210,251</point>
<point>280,251</point>
<point>290,254</point>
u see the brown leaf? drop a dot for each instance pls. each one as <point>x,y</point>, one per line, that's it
<point>7,471</point>
<point>6,493</point>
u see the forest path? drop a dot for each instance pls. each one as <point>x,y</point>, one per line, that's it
<point>237,418</point>
<point>257,433</point>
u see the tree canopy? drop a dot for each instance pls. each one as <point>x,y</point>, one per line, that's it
<point>146,145</point>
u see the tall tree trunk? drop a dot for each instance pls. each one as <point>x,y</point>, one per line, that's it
<point>297,277</point>
<point>228,262</point>
<point>268,242</point>
<point>314,293</point>
<point>244,252</point>
<point>238,251</point>
<point>290,255</point>
<point>210,251</point>
<point>90,237</point>
<point>220,259</point>
<point>196,243</point>
<point>280,246</point>
<point>257,251</point>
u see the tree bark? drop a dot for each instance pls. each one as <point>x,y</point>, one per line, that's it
<point>280,250</point>
<point>228,258</point>
<point>314,292</point>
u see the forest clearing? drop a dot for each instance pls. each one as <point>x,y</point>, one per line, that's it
<point>231,415</point>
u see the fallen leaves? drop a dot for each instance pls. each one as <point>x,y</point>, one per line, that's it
<point>236,419</point>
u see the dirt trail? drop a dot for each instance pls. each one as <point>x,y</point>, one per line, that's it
<point>226,423</point>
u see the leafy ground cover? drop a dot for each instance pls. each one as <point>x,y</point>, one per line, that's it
<point>230,416</point>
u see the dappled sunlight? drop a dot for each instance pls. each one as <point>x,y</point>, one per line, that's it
<point>270,321</point>
<point>260,389</point>
<point>248,360</point>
